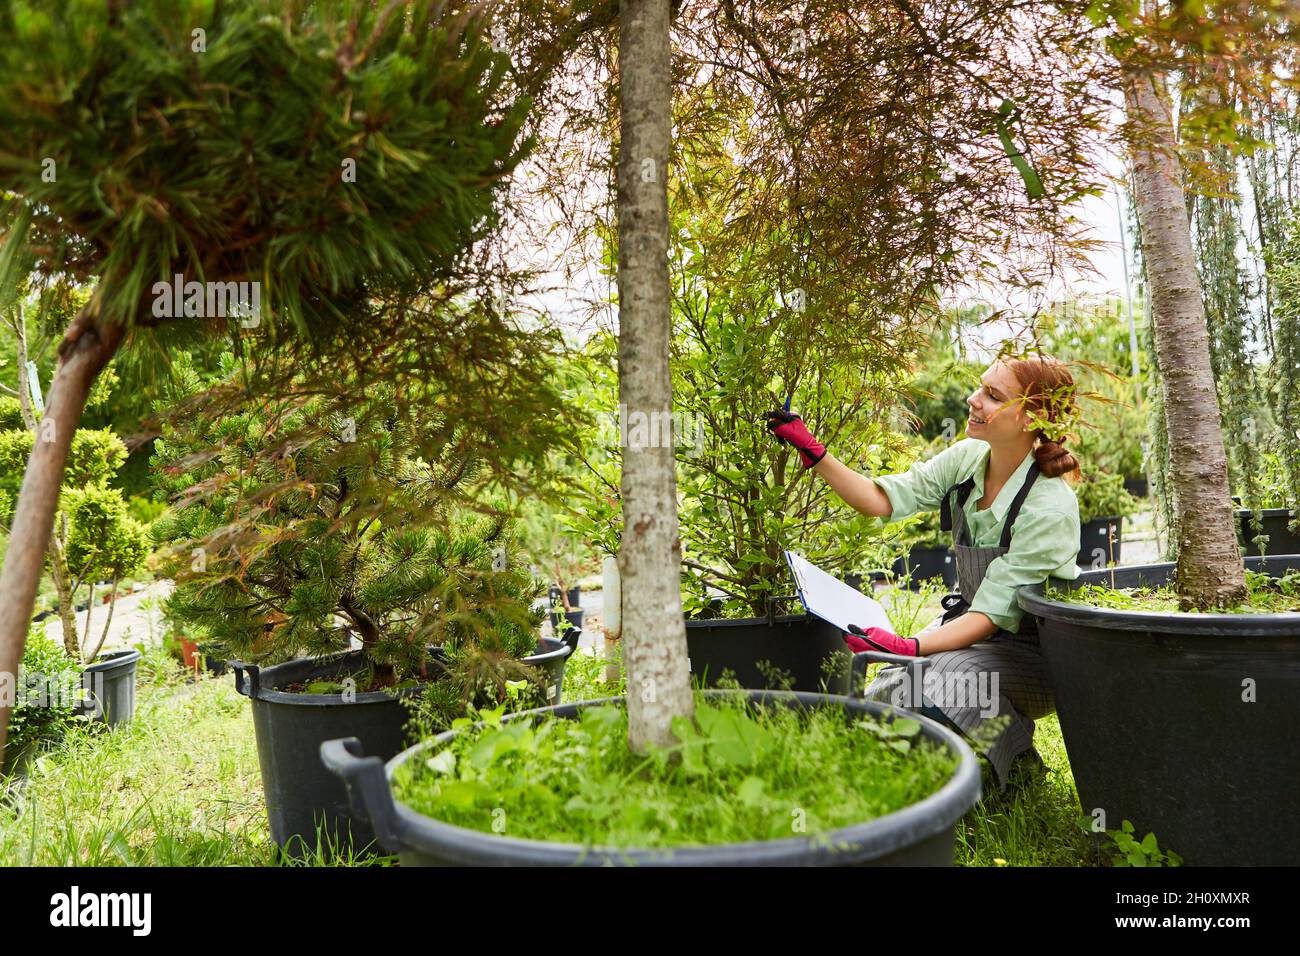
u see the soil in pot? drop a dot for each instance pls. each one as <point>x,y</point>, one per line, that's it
<point>756,777</point>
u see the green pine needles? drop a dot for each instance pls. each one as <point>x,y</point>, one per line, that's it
<point>333,151</point>
<point>303,523</point>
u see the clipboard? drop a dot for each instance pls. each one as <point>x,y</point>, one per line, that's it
<point>830,599</point>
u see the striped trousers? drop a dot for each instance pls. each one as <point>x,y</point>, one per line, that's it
<point>992,691</point>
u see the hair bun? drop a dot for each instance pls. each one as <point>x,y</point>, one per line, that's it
<point>1053,458</point>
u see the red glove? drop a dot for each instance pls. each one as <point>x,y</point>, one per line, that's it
<point>879,639</point>
<point>790,429</point>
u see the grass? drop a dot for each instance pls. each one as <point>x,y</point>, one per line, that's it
<point>177,786</point>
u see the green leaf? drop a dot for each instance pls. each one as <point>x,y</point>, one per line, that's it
<point>906,727</point>
<point>750,791</point>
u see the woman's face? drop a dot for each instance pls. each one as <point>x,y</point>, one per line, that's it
<point>995,412</point>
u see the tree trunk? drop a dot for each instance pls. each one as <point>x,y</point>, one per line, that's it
<point>58,557</point>
<point>1210,571</point>
<point>654,633</point>
<point>84,351</point>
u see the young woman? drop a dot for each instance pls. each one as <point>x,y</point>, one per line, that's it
<point>1014,520</point>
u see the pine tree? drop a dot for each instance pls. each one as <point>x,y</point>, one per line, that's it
<point>301,524</point>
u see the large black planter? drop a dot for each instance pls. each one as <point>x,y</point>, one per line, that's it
<point>797,644</point>
<point>1099,542</point>
<point>110,687</point>
<point>924,563</point>
<point>306,805</point>
<point>1274,524</point>
<point>1182,723</point>
<point>919,835</point>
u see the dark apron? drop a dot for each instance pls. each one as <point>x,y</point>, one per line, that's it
<point>993,690</point>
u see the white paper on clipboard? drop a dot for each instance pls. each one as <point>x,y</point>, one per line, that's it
<point>832,600</point>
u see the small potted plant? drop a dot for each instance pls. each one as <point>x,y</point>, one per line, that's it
<point>48,699</point>
<point>1104,503</point>
<point>1271,528</point>
<point>96,542</point>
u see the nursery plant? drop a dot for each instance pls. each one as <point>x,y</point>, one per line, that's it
<point>1102,495</point>
<point>358,537</point>
<point>344,567</point>
<point>48,693</point>
<point>334,198</point>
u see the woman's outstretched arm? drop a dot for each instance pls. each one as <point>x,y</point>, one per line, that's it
<point>858,491</point>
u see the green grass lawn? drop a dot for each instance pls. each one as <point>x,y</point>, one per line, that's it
<point>179,786</point>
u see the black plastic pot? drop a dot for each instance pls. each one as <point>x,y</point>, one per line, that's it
<point>110,687</point>
<point>572,635</point>
<point>1183,724</point>
<point>1273,523</point>
<point>303,799</point>
<point>924,563</point>
<point>797,644</point>
<point>1099,542</point>
<point>553,597</point>
<point>1137,487</point>
<point>919,835</point>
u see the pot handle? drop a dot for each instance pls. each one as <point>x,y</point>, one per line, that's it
<point>368,791</point>
<point>858,669</point>
<point>771,604</point>
<point>254,677</point>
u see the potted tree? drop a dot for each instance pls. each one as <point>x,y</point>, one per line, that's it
<point>1269,528</point>
<point>560,558</point>
<point>1174,682</point>
<point>355,555</point>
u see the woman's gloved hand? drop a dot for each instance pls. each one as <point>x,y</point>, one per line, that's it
<point>879,639</point>
<point>790,429</point>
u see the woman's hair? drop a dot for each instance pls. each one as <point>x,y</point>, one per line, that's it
<point>1048,389</point>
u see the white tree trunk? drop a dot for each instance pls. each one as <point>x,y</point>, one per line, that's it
<point>654,632</point>
<point>1210,571</point>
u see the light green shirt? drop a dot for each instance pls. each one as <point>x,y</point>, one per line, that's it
<point>1044,539</point>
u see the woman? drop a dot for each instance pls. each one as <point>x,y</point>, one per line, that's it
<point>1014,520</point>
